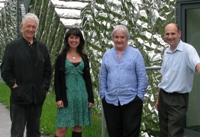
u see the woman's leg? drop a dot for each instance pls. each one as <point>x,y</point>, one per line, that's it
<point>77,131</point>
<point>60,132</point>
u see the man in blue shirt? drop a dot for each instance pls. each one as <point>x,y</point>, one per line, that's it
<point>180,61</point>
<point>123,83</point>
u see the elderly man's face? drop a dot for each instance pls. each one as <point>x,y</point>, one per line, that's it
<point>29,29</point>
<point>120,40</point>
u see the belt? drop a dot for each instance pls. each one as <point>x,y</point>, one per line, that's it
<point>173,93</point>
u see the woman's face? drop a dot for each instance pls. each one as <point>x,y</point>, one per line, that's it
<point>120,40</point>
<point>73,41</point>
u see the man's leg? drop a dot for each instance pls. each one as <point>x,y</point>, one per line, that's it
<point>33,122</point>
<point>177,115</point>
<point>18,119</point>
<point>113,119</point>
<point>162,113</point>
<point>132,113</point>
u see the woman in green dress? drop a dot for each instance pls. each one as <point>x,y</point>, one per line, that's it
<point>73,86</point>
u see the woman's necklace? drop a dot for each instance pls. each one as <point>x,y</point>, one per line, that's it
<point>73,57</point>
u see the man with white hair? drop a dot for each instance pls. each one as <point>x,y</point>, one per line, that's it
<point>26,69</point>
<point>123,84</point>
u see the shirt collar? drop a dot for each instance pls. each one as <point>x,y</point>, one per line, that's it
<point>34,40</point>
<point>124,50</point>
<point>178,48</point>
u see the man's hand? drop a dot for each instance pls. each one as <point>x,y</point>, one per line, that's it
<point>156,105</point>
<point>15,85</point>
<point>198,68</point>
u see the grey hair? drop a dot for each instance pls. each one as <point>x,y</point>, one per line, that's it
<point>121,28</point>
<point>30,16</point>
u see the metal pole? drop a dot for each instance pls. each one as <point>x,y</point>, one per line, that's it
<point>153,68</point>
<point>22,9</point>
<point>18,18</point>
<point>103,123</point>
<point>26,4</point>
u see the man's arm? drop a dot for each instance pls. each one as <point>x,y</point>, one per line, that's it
<point>7,67</point>
<point>156,105</point>
<point>198,68</point>
<point>103,79</point>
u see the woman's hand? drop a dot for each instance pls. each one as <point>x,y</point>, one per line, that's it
<point>90,105</point>
<point>60,104</point>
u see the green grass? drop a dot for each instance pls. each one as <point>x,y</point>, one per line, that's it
<point>49,116</point>
<point>4,95</point>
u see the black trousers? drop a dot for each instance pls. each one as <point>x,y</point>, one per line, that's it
<point>25,116</point>
<point>172,108</point>
<point>123,121</point>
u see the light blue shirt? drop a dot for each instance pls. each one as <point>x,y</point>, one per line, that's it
<point>122,80</point>
<point>178,68</point>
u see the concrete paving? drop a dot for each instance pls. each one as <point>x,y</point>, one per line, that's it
<point>5,122</point>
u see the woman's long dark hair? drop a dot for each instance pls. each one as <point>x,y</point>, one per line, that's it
<point>78,33</point>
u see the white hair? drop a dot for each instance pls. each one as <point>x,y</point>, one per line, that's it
<point>30,16</point>
<point>121,28</point>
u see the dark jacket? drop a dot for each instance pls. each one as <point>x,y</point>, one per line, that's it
<point>17,67</point>
<point>60,83</point>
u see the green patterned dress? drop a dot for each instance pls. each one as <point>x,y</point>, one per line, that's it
<point>77,112</point>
